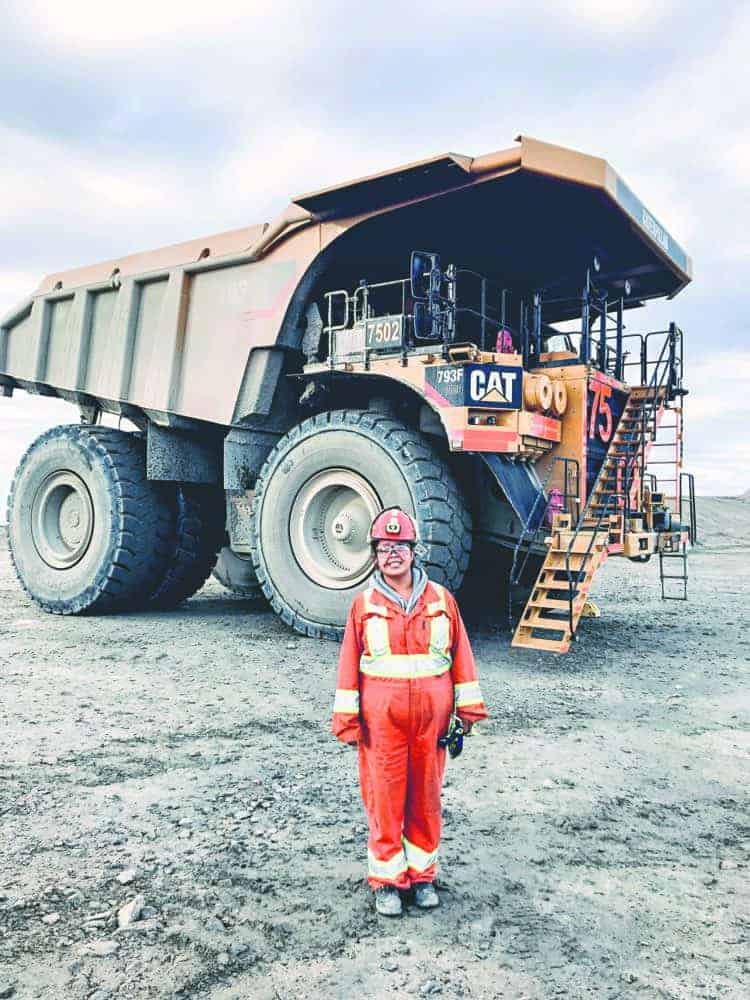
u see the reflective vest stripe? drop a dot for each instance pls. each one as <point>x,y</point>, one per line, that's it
<point>468,694</point>
<point>376,626</point>
<point>406,665</point>
<point>440,635</point>
<point>418,859</point>
<point>389,869</point>
<point>376,636</point>
<point>368,601</point>
<point>346,702</point>
<point>440,604</point>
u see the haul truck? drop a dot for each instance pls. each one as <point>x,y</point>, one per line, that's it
<point>449,336</point>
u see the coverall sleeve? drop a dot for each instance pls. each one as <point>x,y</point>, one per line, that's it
<point>346,703</point>
<point>470,705</point>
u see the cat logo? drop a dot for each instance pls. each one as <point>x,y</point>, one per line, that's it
<point>493,386</point>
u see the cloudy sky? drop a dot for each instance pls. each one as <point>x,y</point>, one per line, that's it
<point>125,128</point>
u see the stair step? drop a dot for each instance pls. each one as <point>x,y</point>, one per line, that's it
<point>561,586</point>
<point>553,605</point>
<point>538,624</point>
<point>559,565</point>
<point>557,588</point>
<point>596,546</point>
<point>548,645</point>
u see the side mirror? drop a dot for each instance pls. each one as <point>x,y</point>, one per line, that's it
<point>422,273</point>
<point>423,322</point>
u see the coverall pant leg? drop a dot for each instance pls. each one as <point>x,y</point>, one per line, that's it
<point>432,704</point>
<point>401,772</point>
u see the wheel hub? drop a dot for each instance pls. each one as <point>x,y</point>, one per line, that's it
<point>62,519</point>
<point>329,525</point>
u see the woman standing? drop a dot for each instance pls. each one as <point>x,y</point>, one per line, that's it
<point>405,664</point>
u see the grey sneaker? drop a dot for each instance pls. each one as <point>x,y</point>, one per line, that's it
<point>388,901</point>
<point>425,896</point>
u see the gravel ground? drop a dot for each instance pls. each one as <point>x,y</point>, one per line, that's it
<point>597,830</point>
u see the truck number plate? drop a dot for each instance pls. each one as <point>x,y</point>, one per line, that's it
<point>384,333</point>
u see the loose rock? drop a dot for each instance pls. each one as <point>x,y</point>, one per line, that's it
<point>100,949</point>
<point>130,912</point>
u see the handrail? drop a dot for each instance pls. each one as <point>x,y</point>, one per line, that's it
<point>693,522</point>
<point>663,377</point>
<point>586,554</point>
<point>528,532</point>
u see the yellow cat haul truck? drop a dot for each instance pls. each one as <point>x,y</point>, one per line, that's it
<point>449,336</point>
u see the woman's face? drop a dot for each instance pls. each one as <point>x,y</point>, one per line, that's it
<point>395,559</point>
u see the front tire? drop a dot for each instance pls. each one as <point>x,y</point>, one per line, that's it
<point>87,532</point>
<point>316,497</point>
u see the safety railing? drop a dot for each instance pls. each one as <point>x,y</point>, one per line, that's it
<point>474,310</point>
<point>573,586</point>
<point>539,519</point>
<point>665,379</point>
<point>689,501</point>
<point>645,363</point>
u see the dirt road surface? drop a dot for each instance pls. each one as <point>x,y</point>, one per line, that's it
<point>597,836</point>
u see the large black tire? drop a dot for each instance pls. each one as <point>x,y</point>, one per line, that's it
<point>314,501</point>
<point>87,532</point>
<point>237,573</point>
<point>199,517</point>
<point>486,596</point>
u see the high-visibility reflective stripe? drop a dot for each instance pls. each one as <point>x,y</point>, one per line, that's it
<point>389,869</point>
<point>418,859</point>
<point>346,702</point>
<point>468,694</point>
<point>440,634</point>
<point>368,600</point>
<point>408,665</point>
<point>440,604</point>
<point>376,636</point>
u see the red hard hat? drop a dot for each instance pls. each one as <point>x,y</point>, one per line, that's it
<point>393,524</point>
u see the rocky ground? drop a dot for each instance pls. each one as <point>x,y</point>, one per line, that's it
<point>180,765</point>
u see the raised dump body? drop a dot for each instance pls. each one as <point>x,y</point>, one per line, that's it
<point>289,381</point>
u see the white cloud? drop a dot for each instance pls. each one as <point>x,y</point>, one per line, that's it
<point>90,25</point>
<point>719,387</point>
<point>611,18</point>
<point>15,286</point>
<point>47,181</point>
<point>716,412</point>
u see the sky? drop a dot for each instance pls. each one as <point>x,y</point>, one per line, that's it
<point>124,129</point>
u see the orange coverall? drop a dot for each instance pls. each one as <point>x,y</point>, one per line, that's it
<point>399,677</point>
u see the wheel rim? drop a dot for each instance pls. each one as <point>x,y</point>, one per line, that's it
<point>329,525</point>
<point>62,519</point>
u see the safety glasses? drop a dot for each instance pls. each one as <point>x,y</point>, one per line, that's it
<point>387,547</point>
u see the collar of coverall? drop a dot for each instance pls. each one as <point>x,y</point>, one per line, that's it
<point>419,582</point>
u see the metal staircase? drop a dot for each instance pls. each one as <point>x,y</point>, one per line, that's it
<point>574,554</point>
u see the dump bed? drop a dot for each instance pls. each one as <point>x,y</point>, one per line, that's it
<point>200,330</point>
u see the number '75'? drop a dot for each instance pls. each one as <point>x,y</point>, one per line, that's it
<point>600,407</point>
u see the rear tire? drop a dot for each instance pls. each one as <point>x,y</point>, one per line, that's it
<point>198,535</point>
<point>314,502</point>
<point>237,573</point>
<point>87,532</point>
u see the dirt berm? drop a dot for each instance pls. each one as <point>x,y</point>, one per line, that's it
<point>597,835</point>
